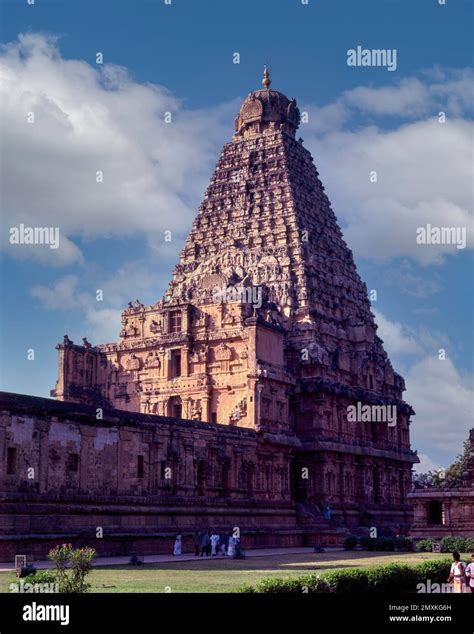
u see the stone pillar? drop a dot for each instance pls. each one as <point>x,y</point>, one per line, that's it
<point>43,449</point>
<point>206,415</point>
<point>88,434</point>
<point>185,360</point>
<point>124,438</point>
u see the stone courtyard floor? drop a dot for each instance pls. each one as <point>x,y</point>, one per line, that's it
<point>187,573</point>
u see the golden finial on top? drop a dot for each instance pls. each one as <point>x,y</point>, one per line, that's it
<point>266,78</point>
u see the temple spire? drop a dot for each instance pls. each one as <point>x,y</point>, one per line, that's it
<point>266,78</point>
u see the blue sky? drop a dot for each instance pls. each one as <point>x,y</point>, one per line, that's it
<point>179,59</point>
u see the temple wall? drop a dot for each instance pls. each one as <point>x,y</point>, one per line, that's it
<point>64,473</point>
<point>456,512</point>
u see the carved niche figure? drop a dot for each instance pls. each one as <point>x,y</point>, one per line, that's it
<point>239,411</point>
<point>155,326</point>
<point>196,410</point>
<point>153,360</point>
<point>128,330</point>
<point>133,363</point>
<point>222,352</point>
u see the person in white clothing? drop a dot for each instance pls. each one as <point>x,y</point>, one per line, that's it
<point>215,539</point>
<point>457,574</point>
<point>177,545</point>
<point>231,547</point>
<point>470,574</point>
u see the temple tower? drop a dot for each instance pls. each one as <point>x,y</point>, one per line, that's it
<point>266,324</point>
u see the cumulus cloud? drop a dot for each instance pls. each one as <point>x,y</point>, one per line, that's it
<point>100,319</point>
<point>396,337</point>
<point>426,464</point>
<point>97,119</point>
<point>443,398</point>
<point>441,395</point>
<point>422,166</point>
<point>423,177</point>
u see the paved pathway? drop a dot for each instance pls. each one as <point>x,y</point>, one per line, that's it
<point>158,559</point>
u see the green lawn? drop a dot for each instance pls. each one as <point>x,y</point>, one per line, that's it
<point>226,575</point>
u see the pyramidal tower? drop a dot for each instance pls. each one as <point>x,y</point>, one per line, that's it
<point>266,325</point>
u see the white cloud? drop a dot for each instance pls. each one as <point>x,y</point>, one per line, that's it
<point>89,119</point>
<point>396,337</point>
<point>409,97</point>
<point>426,464</point>
<point>441,395</point>
<point>423,177</point>
<point>443,399</point>
<point>100,319</point>
<point>97,118</point>
<point>62,295</point>
<point>423,166</point>
<point>102,324</point>
<point>437,90</point>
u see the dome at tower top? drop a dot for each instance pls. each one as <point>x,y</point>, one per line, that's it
<point>266,109</point>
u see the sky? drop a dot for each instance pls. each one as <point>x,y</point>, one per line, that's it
<point>179,58</point>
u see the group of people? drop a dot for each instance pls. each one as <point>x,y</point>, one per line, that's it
<point>211,543</point>
<point>460,575</point>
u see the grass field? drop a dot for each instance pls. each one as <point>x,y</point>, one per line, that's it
<point>226,575</point>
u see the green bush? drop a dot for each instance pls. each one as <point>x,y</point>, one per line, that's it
<point>367,543</point>
<point>393,577</point>
<point>275,585</point>
<point>377,543</point>
<point>424,545</point>
<point>72,567</point>
<point>384,544</point>
<point>350,542</point>
<point>306,584</point>
<point>315,584</point>
<point>43,576</point>
<point>347,581</point>
<point>437,570</point>
<point>461,544</point>
<point>404,544</point>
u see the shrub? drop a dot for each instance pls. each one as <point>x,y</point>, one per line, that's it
<point>72,567</point>
<point>350,542</point>
<point>384,543</point>
<point>43,576</point>
<point>395,577</point>
<point>461,544</point>
<point>315,584</point>
<point>404,544</point>
<point>275,585</point>
<point>367,543</point>
<point>377,543</point>
<point>437,570</point>
<point>347,581</point>
<point>392,578</point>
<point>306,584</point>
<point>425,545</point>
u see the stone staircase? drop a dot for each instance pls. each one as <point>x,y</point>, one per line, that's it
<point>321,530</point>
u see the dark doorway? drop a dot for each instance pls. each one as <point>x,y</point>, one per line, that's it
<point>175,408</point>
<point>435,512</point>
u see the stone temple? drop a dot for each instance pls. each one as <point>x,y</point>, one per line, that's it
<point>225,403</point>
